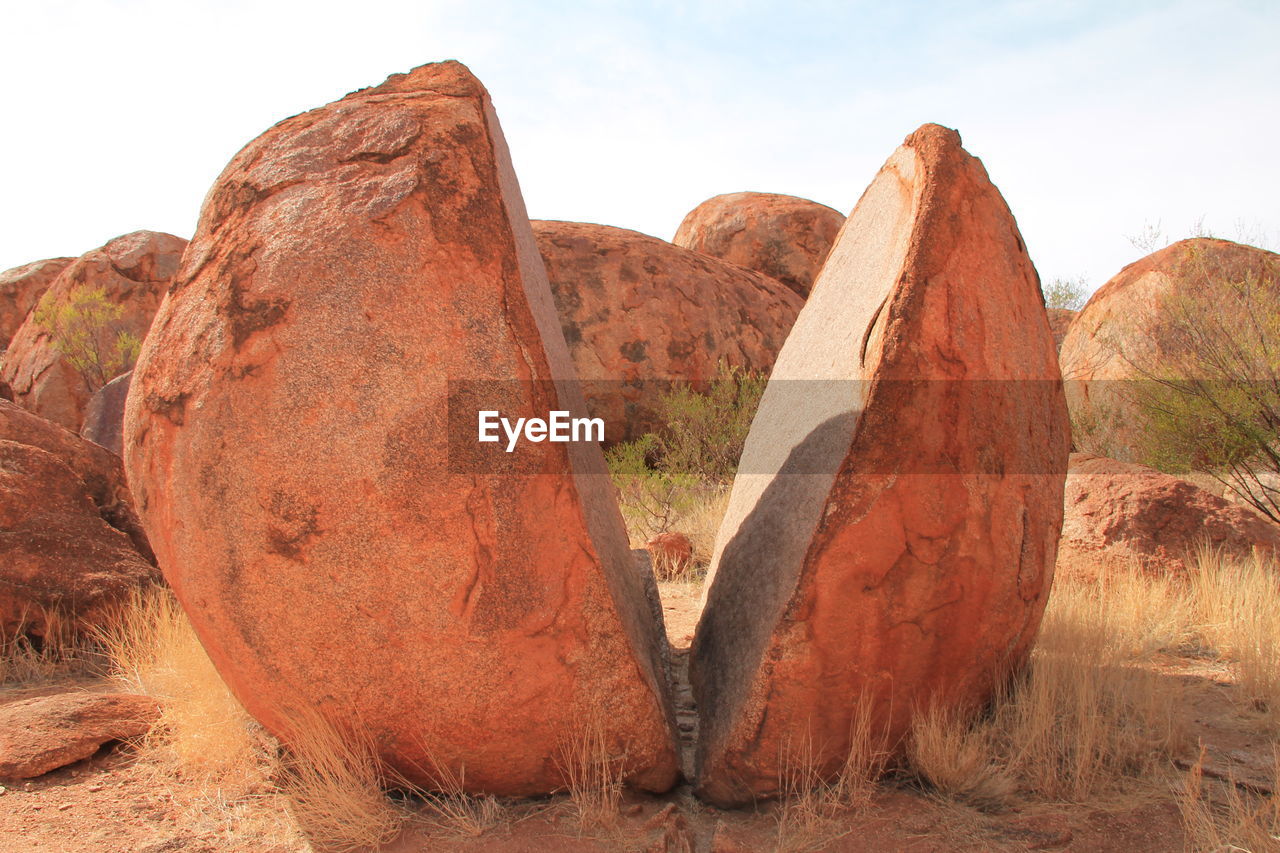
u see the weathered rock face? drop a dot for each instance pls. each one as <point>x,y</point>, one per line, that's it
<point>134,271</point>
<point>1121,514</point>
<point>640,313</point>
<point>20,289</point>
<point>1124,329</point>
<point>42,734</point>
<point>99,470</point>
<point>104,414</point>
<point>1059,321</point>
<point>287,434</point>
<point>784,237</point>
<point>62,567</point>
<point>892,529</point>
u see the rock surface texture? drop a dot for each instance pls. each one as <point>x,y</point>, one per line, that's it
<point>99,470</point>
<point>784,237</point>
<point>20,289</point>
<point>104,414</point>
<point>1059,321</point>
<point>339,546</point>
<point>133,271</point>
<point>892,529</point>
<point>1122,514</point>
<point>639,313</point>
<point>1124,329</point>
<point>42,734</point>
<point>63,568</point>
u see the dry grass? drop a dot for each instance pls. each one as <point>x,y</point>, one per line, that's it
<point>1222,817</point>
<point>592,775</point>
<point>814,811</point>
<point>57,652</point>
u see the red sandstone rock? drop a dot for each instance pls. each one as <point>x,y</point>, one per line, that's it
<point>100,470</point>
<point>1059,321</point>
<point>1123,331</point>
<point>104,414</point>
<point>1120,514</point>
<point>61,565</point>
<point>671,551</point>
<point>42,734</point>
<point>287,433</point>
<point>892,529</point>
<point>134,270</point>
<point>784,237</point>
<point>20,289</point>
<point>639,313</point>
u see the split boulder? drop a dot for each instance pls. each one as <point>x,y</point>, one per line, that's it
<point>361,274</point>
<point>891,533</point>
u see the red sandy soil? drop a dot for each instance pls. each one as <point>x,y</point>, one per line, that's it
<point>115,802</point>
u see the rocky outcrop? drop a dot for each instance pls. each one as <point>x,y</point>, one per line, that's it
<point>20,289</point>
<point>133,272</point>
<point>42,734</point>
<point>1125,333</point>
<point>104,414</point>
<point>781,236</point>
<point>99,470</point>
<point>891,533</point>
<point>1118,514</point>
<point>63,568</point>
<point>640,314</point>
<point>301,433</point>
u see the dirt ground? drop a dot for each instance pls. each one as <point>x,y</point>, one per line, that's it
<point>115,802</point>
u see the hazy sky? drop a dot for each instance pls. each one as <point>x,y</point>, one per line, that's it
<point>1095,119</point>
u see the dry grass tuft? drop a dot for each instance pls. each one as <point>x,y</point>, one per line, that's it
<point>1236,609</point>
<point>447,809</point>
<point>814,810</point>
<point>335,786</point>
<point>57,652</point>
<point>1225,818</point>
<point>958,760</point>
<point>592,775</point>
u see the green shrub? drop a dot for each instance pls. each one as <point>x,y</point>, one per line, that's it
<point>87,332</point>
<point>1066,293</point>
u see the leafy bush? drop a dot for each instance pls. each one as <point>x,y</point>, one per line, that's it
<point>87,332</point>
<point>668,477</point>
<point>1066,293</point>
<point>1209,400</point>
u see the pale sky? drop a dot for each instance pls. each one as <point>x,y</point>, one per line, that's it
<point>1094,119</point>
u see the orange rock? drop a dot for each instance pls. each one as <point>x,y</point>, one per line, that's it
<point>62,567</point>
<point>20,289</point>
<point>1123,329</point>
<point>99,470</point>
<point>134,271</point>
<point>1059,321</point>
<point>892,529</point>
<point>1121,514</point>
<point>287,433</point>
<point>42,734</point>
<point>671,552</point>
<point>639,313</point>
<point>784,237</point>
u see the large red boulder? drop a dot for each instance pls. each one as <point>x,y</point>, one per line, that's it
<point>133,272</point>
<point>361,274</point>
<point>1125,334</point>
<point>1118,514</point>
<point>99,470</point>
<point>1059,321</point>
<point>20,289</point>
<point>891,533</point>
<point>640,314</point>
<point>784,237</point>
<point>63,568</point>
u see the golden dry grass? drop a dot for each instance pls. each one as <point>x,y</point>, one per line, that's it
<point>1220,816</point>
<point>56,653</point>
<point>592,774</point>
